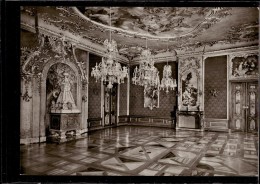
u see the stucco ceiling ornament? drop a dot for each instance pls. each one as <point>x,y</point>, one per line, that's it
<point>246,32</point>
<point>185,25</point>
<point>189,63</point>
<point>180,15</point>
<point>161,22</point>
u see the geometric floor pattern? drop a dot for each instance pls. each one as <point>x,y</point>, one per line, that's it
<point>145,151</point>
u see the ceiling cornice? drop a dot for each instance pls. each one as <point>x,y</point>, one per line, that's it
<point>231,51</point>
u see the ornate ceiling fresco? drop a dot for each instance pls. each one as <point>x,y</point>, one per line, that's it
<point>183,28</point>
<point>163,22</point>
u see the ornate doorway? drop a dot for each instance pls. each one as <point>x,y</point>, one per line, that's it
<point>244,106</point>
<point>110,105</point>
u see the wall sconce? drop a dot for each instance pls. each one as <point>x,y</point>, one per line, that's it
<point>214,92</point>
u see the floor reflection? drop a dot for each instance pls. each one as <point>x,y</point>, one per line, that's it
<point>147,151</point>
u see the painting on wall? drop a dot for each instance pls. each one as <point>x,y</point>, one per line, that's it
<point>244,66</point>
<point>190,88</point>
<point>151,97</point>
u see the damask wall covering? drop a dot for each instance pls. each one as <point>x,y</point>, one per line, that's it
<point>166,101</point>
<point>215,94</point>
<point>94,106</point>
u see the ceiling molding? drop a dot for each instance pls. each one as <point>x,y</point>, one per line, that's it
<point>223,28</point>
<point>230,51</point>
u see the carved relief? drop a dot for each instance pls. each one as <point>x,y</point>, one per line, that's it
<point>252,107</point>
<point>237,101</point>
<point>27,79</point>
<point>244,66</point>
<point>69,121</point>
<point>190,89</point>
<point>50,48</point>
<point>237,106</point>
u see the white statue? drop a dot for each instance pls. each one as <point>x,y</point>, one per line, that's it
<point>65,97</point>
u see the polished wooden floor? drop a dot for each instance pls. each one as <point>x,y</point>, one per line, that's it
<point>147,151</point>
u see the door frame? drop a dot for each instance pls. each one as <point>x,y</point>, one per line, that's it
<point>245,81</point>
<point>110,105</point>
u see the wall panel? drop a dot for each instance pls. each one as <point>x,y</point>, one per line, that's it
<point>215,88</point>
<point>166,101</point>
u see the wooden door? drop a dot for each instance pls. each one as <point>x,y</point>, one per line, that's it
<point>110,105</point>
<point>244,106</point>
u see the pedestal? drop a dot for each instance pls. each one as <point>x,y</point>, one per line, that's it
<point>64,127</point>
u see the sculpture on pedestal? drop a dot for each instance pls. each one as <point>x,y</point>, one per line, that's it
<point>65,97</point>
<point>61,89</point>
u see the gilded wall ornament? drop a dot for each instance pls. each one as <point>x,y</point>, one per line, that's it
<point>244,66</point>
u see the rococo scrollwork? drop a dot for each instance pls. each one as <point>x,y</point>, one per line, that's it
<point>49,48</point>
<point>244,66</point>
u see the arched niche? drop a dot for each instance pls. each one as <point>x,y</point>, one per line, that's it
<point>45,115</point>
<point>61,85</point>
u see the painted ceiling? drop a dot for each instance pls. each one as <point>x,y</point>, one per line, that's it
<point>181,28</point>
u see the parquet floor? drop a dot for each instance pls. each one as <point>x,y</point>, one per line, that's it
<point>147,151</point>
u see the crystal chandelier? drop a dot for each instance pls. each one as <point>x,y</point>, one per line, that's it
<point>147,74</point>
<point>110,70</point>
<point>167,80</point>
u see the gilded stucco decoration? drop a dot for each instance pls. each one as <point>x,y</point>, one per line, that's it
<point>190,84</point>
<point>185,28</point>
<point>48,49</point>
<point>243,66</point>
